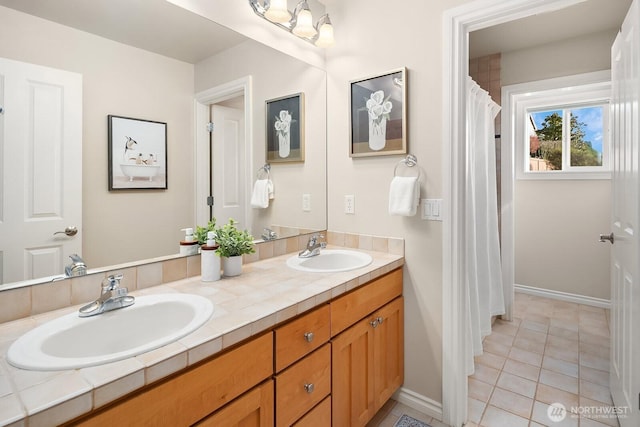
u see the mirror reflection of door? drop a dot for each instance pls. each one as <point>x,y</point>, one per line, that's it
<point>41,178</point>
<point>229,189</point>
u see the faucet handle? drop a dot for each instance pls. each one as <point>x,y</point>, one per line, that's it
<point>111,282</point>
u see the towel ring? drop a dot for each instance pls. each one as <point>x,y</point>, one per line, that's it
<point>410,161</point>
<point>266,170</point>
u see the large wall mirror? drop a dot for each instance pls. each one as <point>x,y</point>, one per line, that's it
<point>149,60</point>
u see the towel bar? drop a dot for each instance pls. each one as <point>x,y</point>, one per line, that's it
<point>410,161</point>
<point>265,169</point>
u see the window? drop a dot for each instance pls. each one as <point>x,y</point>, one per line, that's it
<point>559,128</point>
<point>568,139</point>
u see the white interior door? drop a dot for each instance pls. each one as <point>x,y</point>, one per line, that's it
<point>625,295</point>
<point>41,161</point>
<point>229,154</point>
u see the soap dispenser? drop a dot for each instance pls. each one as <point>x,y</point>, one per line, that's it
<point>188,246</point>
<point>210,261</point>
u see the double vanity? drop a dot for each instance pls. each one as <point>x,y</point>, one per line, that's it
<point>286,342</point>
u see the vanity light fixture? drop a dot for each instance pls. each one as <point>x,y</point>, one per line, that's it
<point>299,22</point>
<point>277,11</point>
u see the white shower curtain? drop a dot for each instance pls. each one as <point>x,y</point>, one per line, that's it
<point>484,297</point>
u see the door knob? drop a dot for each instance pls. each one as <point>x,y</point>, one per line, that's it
<point>69,231</point>
<point>609,237</point>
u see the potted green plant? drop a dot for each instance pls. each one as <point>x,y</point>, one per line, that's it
<point>201,232</point>
<point>232,244</point>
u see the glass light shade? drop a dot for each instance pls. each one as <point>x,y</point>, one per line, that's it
<point>278,11</point>
<point>325,39</point>
<point>304,25</point>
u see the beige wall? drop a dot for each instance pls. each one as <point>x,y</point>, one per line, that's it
<point>557,227</point>
<point>274,75</point>
<point>120,80</point>
<point>366,47</point>
<point>557,222</point>
<point>559,59</point>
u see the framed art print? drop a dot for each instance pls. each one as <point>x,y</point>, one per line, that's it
<point>285,129</point>
<point>137,154</point>
<point>378,115</point>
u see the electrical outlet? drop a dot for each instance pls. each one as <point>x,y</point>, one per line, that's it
<point>350,204</point>
<point>306,202</point>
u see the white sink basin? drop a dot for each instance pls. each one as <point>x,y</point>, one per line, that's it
<point>71,342</point>
<point>331,261</point>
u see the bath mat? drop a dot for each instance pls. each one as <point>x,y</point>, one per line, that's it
<point>407,421</point>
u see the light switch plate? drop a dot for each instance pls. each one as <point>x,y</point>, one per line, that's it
<point>432,209</point>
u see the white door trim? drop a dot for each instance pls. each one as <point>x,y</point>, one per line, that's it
<point>202,103</point>
<point>457,23</point>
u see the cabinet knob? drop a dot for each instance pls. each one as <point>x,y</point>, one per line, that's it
<point>309,388</point>
<point>380,320</point>
<point>308,336</point>
<point>374,323</point>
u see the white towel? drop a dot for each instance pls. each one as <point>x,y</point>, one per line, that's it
<point>262,192</point>
<point>404,195</point>
<point>270,189</point>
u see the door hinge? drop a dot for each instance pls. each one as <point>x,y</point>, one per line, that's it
<point>210,127</point>
<point>209,200</point>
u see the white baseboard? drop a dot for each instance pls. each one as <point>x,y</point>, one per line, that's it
<point>563,296</point>
<point>419,402</point>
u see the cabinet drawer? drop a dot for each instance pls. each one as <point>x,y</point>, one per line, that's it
<point>253,409</point>
<point>320,416</point>
<point>350,308</point>
<point>195,394</point>
<point>300,387</point>
<point>301,337</point>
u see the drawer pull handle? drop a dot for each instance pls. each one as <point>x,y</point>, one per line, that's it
<point>308,336</point>
<point>374,323</point>
<point>380,320</point>
<point>309,388</point>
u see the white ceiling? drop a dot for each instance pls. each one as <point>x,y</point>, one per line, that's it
<point>153,25</point>
<point>161,27</point>
<point>588,17</point>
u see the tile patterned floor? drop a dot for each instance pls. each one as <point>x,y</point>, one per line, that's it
<point>392,411</point>
<point>553,351</point>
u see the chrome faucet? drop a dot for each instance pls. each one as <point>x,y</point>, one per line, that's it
<point>269,234</point>
<point>313,247</point>
<point>112,297</point>
<point>77,266</point>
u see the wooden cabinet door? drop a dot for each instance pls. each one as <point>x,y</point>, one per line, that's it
<point>368,365</point>
<point>254,409</point>
<point>352,392</point>
<point>388,363</point>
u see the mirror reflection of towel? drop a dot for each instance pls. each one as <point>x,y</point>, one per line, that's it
<point>404,195</point>
<point>262,192</point>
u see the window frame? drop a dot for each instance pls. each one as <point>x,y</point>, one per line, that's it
<point>567,93</point>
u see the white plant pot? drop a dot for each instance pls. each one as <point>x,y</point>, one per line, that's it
<point>232,266</point>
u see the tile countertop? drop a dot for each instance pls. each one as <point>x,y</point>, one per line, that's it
<point>267,293</point>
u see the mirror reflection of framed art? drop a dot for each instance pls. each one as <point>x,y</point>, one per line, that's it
<point>285,129</point>
<point>137,154</point>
